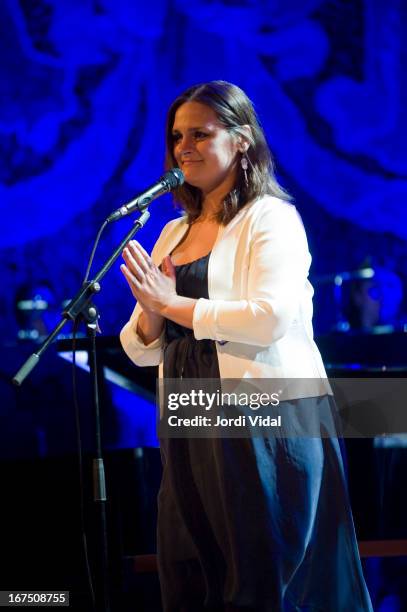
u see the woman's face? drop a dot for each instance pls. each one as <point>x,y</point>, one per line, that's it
<point>204,150</point>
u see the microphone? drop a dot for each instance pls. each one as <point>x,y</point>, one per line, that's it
<point>169,181</point>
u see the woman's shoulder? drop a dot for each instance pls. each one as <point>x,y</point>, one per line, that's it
<point>275,217</point>
<point>272,203</point>
<point>271,208</point>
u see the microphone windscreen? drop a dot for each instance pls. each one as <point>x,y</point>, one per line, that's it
<point>174,178</point>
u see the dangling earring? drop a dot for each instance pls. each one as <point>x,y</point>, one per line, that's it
<point>245,164</point>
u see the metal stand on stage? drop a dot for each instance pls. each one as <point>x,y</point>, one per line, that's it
<point>81,308</point>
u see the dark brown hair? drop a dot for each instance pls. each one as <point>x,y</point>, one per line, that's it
<point>234,110</point>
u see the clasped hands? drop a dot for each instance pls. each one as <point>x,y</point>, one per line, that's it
<point>154,289</point>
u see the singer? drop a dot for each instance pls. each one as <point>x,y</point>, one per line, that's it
<point>260,524</point>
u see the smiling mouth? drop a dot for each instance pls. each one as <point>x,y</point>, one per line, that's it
<point>191,161</point>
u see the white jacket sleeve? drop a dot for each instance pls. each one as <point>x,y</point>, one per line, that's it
<point>141,354</point>
<point>279,262</point>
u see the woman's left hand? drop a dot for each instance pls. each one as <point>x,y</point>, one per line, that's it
<point>151,287</point>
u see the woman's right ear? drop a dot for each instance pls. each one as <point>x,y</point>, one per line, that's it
<point>245,138</point>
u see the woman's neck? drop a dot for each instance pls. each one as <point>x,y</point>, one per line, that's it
<point>212,201</point>
<point>210,210</point>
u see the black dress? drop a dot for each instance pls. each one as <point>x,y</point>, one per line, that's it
<point>262,523</point>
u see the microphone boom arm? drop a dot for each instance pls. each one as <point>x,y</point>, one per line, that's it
<point>80,302</point>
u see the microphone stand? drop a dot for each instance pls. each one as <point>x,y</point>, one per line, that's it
<point>81,308</point>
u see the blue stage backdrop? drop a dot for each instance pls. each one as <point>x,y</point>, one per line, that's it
<point>85,85</point>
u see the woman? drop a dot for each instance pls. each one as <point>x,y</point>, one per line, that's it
<point>253,523</point>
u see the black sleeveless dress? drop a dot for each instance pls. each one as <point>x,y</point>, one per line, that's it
<point>262,524</point>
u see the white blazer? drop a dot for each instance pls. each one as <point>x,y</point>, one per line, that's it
<point>259,310</point>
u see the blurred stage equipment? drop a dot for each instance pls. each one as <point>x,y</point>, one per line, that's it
<point>36,311</point>
<point>367,299</point>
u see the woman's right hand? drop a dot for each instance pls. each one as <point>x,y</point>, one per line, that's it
<point>150,323</point>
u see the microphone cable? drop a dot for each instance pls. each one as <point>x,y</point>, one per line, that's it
<point>95,245</point>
